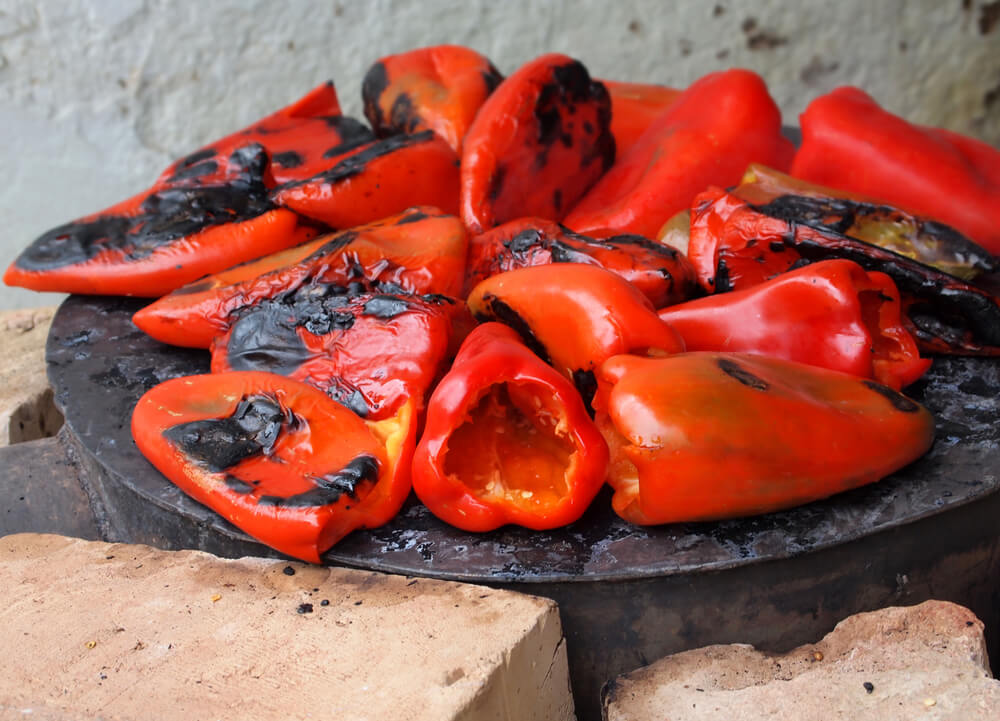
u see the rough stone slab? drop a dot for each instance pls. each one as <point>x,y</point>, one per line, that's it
<point>26,408</point>
<point>114,631</point>
<point>921,662</point>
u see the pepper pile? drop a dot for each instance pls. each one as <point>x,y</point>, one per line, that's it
<point>509,291</point>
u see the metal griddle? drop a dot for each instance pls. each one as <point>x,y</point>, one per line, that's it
<point>627,595</point>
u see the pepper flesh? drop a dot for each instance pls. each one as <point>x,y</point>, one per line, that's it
<point>708,436</point>
<point>735,244</point>
<point>277,458</point>
<point>537,144</point>
<point>439,88</point>
<point>420,251</point>
<point>372,352</point>
<point>663,274</point>
<point>507,440</point>
<point>830,314</point>
<point>574,316</point>
<point>849,142</point>
<point>708,136</point>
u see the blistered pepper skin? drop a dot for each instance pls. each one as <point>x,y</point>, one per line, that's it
<point>663,274</point>
<point>277,458</point>
<point>507,440</point>
<point>439,88</point>
<point>708,436</point>
<point>708,136</point>
<point>851,143</point>
<point>537,144</point>
<point>372,352</point>
<point>575,316</point>
<point>735,244</point>
<point>377,180</point>
<point>830,314</point>
<point>421,250</point>
<point>209,210</point>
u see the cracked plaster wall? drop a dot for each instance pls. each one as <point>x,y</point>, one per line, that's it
<point>97,96</point>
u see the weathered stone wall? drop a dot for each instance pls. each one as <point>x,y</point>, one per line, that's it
<point>96,96</point>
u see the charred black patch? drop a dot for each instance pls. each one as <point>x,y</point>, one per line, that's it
<point>497,310</point>
<point>586,383</point>
<point>330,488</point>
<point>263,338</point>
<point>357,163</point>
<point>372,87</point>
<point>524,242</point>
<point>191,172</point>
<point>735,370</point>
<point>571,84</point>
<point>221,443</point>
<point>336,243</point>
<point>412,216</point>
<point>195,158</point>
<point>386,306</point>
<point>563,253</point>
<point>238,485</point>
<point>403,116</point>
<point>352,132</point>
<point>721,281</point>
<point>352,399</point>
<point>491,79</point>
<point>900,402</point>
<point>164,216</point>
<point>288,159</point>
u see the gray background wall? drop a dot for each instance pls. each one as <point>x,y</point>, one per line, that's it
<point>97,96</point>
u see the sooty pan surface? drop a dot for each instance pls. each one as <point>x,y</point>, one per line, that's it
<point>100,364</point>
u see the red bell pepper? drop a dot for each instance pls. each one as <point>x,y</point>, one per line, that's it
<point>420,251</point>
<point>663,274</point>
<point>276,457</point>
<point>537,144</point>
<point>507,440</point>
<point>207,211</point>
<point>438,88</point>
<point>376,180</point>
<point>849,142</point>
<point>735,244</point>
<point>372,352</point>
<point>830,314</point>
<point>707,436</point>
<point>574,316</point>
<point>634,107</point>
<point>708,136</point>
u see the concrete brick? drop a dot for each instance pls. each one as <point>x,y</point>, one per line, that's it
<point>26,408</point>
<point>927,661</point>
<point>113,631</point>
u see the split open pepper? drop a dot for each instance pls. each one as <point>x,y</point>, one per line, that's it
<point>507,440</point>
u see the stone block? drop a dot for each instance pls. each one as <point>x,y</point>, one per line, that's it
<point>113,631</point>
<point>920,662</point>
<point>26,408</point>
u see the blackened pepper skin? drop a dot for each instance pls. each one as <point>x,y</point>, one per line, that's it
<point>537,145</point>
<point>437,88</point>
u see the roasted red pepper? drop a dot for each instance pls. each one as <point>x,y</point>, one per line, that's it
<point>831,314</point>
<point>419,251</point>
<point>372,352</point>
<point>207,211</point>
<point>377,180</point>
<point>507,440</point>
<point>706,436</point>
<point>537,144</point>
<point>634,107</point>
<point>439,88</point>
<point>276,457</point>
<point>709,135</point>
<point>574,316</point>
<point>735,244</point>
<point>663,274</point>
<point>849,142</point>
